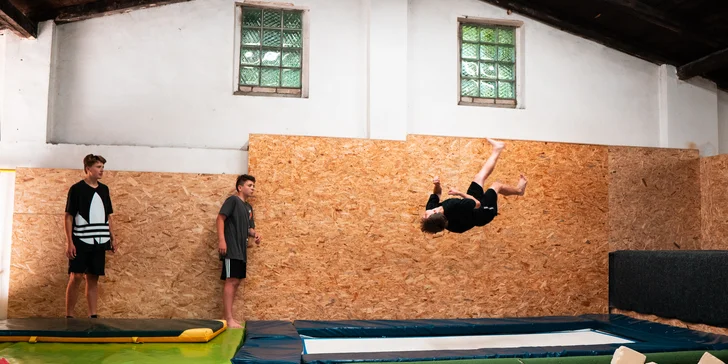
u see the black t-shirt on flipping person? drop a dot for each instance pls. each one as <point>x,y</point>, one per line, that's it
<point>460,213</point>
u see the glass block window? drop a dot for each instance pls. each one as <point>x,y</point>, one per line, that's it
<point>271,49</point>
<point>487,64</point>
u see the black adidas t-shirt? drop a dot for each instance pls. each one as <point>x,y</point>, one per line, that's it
<point>90,208</point>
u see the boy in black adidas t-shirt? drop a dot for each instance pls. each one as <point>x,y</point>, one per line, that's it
<point>476,207</point>
<point>89,233</point>
<point>235,223</point>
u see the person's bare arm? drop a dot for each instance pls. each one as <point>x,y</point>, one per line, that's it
<point>112,230</point>
<point>437,188</point>
<point>221,243</point>
<point>454,192</point>
<point>70,248</point>
<point>258,238</point>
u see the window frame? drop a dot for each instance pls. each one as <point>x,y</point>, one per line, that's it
<point>518,26</point>
<point>262,90</point>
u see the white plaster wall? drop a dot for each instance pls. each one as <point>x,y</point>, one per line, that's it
<point>26,80</point>
<point>124,158</point>
<point>3,41</point>
<point>694,117</point>
<point>575,90</point>
<point>388,69</point>
<point>688,113</point>
<point>163,77</point>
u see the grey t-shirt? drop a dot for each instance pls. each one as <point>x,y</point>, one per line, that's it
<point>238,219</point>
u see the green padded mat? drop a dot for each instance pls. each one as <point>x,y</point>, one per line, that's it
<point>217,351</point>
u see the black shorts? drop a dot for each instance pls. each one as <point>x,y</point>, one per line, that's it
<point>91,261</point>
<point>488,203</point>
<point>233,268</point>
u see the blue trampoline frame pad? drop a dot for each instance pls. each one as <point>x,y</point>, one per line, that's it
<point>281,342</point>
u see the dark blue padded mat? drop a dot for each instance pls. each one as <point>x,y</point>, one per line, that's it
<point>282,344</point>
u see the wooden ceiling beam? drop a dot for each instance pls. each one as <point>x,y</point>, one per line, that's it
<point>661,19</point>
<point>106,7</point>
<point>578,27</point>
<point>699,67</point>
<point>17,21</point>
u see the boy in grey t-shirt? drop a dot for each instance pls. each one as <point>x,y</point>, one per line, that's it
<point>235,224</point>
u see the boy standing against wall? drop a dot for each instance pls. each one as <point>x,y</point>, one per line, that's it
<point>235,223</point>
<point>89,233</point>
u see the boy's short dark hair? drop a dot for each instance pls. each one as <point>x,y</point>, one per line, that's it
<point>434,224</point>
<point>242,179</point>
<point>91,159</point>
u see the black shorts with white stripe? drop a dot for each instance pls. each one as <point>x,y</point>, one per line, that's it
<point>233,268</point>
<point>488,203</point>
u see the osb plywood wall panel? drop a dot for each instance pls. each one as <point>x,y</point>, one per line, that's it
<point>714,206</point>
<point>654,201</point>
<point>166,266</point>
<point>342,241</point>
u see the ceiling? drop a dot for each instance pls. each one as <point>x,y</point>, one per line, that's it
<point>691,35</point>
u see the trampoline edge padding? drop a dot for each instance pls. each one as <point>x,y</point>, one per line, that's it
<point>443,327</point>
<point>110,330</point>
<point>269,342</point>
<point>280,341</point>
<point>188,336</point>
